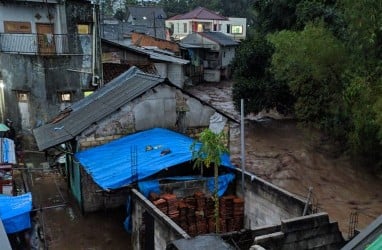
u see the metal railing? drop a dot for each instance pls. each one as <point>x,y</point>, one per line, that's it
<point>46,44</point>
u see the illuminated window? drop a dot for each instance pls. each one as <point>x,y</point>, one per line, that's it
<point>22,96</point>
<point>65,96</point>
<point>88,92</point>
<point>237,29</point>
<point>200,27</point>
<point>83,29</point>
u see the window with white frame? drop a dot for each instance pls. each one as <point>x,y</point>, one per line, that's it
<point>237,29</point>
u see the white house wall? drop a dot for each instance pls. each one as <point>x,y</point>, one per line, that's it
<point>176,74</point>
<point>161,69</point>
<point>228,54</point>
<point>20,13</point>
<point>180,33</point>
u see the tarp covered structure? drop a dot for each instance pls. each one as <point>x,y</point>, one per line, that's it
<point>15,212</point>
<point>137,156</point>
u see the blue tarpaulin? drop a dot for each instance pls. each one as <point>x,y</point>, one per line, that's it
<point>146,187</point>
<point>114,165</point>
<point>15,212</point>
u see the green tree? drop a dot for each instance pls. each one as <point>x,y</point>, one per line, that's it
<point>208,153</point>
<point>312,62</point>
<point>253,80</point>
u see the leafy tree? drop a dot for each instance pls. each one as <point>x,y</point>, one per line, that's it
<point>311,62</point>
<point>209,154</point>
<point>275,15</point>
<point>253,80</point>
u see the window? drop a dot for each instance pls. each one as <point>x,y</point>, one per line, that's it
<point>83,29</point>
<point>228,28</point>
<point>22,96</point>
<point>65,96</point>
<point>237,29</point>
<point>215,27</point>
<point>88,92</point>
<point>17,27</point>
<point>184,27</point>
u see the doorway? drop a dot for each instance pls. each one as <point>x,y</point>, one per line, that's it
<point>45,38</point>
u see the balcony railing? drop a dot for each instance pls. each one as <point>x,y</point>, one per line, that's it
<point>46,44</point>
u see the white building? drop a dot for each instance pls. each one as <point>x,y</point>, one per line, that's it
<point>204,20</point>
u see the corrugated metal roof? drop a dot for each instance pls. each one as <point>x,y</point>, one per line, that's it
<point>140,12</point>
<point>219,38</point>
<point>199,13</point>
<point>149,52</point>
<point>93,108</point>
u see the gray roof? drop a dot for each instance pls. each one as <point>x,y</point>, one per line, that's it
<point>152,53</point>
<point>219,38</point>
<point>120,31</point>
<point>140,12</point>
<point>93,108</point>
<point>210,242</point>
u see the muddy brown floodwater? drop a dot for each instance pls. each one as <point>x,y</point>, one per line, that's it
<point>285,154</point>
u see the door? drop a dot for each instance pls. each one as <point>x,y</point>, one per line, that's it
<point>45,38</point>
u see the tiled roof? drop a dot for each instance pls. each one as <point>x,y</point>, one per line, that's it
<point>199,13</point>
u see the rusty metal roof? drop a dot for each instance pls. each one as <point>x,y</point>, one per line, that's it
<point>91,109</point>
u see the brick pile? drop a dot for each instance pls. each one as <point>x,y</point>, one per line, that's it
<point>195,214</point>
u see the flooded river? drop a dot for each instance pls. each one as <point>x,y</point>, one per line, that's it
<point>285,154</point>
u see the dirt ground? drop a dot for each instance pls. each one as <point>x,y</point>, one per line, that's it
<point>285,154</point>
<point>65,227</point>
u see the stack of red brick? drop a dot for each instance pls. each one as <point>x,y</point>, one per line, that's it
<point>196,214</point>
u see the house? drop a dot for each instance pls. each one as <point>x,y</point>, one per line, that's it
<point>132,102</point>
<point>152,17</point>
<point>49,57</point>
<point>204,20</point>
<point>210,53</point>
<point>149,59</point>
<point>140,19</point>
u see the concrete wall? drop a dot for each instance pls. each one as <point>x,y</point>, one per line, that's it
<point>265,203</point>
<point>306,232</point>
<point>228,54</point>
<point>176,74</point>
<point>95,199</point>
<point>162,103</point>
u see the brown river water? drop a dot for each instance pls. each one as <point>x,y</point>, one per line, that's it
<point>282,152</point>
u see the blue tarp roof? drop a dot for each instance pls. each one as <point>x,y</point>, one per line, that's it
<point>15,212</point>
<point>110,165</point>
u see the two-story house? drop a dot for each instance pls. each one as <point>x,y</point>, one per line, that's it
<point>204,20</point>
<point>49,58</point>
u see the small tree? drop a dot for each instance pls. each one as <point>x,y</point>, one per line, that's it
<point>208,153</point>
